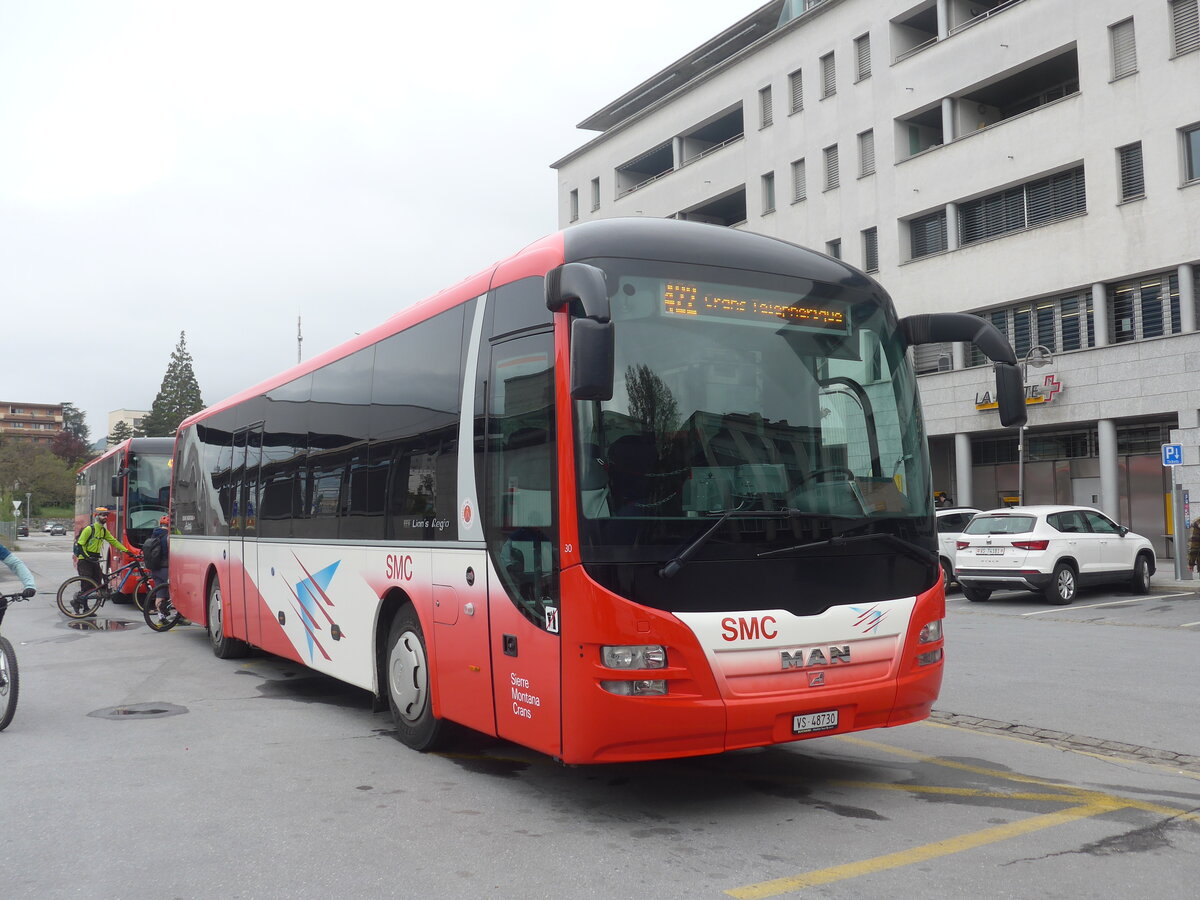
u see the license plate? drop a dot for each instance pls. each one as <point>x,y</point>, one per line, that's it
<point>821,721</point>
<point>990,551</point>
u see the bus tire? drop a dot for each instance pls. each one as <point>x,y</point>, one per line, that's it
<point>223,646</point>
<point>409,684</point>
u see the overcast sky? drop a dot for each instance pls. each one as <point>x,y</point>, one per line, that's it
<point>221,168</point>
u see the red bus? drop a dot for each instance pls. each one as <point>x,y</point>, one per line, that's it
<point>646,489</point>
<point>133,480</point>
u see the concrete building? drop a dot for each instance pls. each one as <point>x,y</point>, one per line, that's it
<point>1036,162</point>
<point>30,423</point>
<point>131,417</point>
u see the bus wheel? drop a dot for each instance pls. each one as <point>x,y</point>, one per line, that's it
<point>224,647</point>
<point>409,684</point>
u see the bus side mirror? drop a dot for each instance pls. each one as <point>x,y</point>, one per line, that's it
<point>592,354</point>
<point>115,486</point>
<point>592,334</point>
<point>937,328</point>
<point>1010,394</point>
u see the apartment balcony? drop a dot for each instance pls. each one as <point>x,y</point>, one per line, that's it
<point>709,173</point>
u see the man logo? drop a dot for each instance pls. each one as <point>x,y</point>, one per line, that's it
<point>816,679</point>
<point>796,659</point>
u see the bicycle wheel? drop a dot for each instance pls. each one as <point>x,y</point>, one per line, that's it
<point>79,597</point>
<point>9,682</point>
<point>159,612</point>
<point>140,592</point>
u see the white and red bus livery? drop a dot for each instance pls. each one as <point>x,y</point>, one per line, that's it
<point>645,489</point>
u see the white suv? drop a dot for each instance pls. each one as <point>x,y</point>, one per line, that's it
<point>949,523</point>
<point>1051,549</point>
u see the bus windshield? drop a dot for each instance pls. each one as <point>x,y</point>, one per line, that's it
<point>149,489</point>
<point>787,401</point>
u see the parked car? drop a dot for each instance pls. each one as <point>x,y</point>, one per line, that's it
<point>1050,549</point>
<point>48,527</point>
<point>950,523</point>
<point>22,530</point>
<point>58,528</point>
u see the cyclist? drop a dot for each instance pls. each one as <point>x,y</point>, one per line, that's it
<point>87,548</point>
<point>156,551</point>
<point>19,569</point>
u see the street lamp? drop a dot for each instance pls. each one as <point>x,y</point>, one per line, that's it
<point>1037,357</point>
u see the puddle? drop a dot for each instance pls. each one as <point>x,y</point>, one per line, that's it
<point>101,624</point>
<point>139,711</point>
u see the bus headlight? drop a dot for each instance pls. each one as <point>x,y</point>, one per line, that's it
<point>640,688</point>
<point>652,656</point>
<point>931,632</point>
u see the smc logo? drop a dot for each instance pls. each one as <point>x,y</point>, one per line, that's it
<point>751,629</point>
<point>399,568</point>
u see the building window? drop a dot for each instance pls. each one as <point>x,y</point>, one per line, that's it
<point>1133,182</point>
<point>768,193</point>
<point>928,234</point>
<point>831,168</point>
<point>1058,324</point>
<point>575,205</point>
<point>796,88</point>
<point>1191,153</point>
<point>765,114</point>
<point>862,56</point>
<point>595,194</point>
<point>828,76</point>
<point>1143,309</point>
<point>834,248</point>
<point>1035,203</point>
<point>1185,26</point>
<point>866,153</point>
<point>799,184</point>
<point>870,238</point>
<point>1124,49</point>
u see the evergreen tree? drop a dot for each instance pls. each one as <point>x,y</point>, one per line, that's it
<point>75,423</point>
<point>121,431</point>
<point>178,396</point>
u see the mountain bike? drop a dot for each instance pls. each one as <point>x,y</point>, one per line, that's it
<point>159,611</point>
<point>80,597</point>
<point>10,680</point>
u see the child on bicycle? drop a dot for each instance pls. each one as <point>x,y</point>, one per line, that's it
<point>19,569</point>
<point>87,548</point>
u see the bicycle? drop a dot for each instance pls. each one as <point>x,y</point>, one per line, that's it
<point>80,597</point>
<point>160,613</point>
<point>10,680</point>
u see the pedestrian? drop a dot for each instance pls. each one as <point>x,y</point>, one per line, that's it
<point>1193,557</point>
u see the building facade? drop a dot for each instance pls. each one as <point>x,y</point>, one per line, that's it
<point>1036,162</point>
<point>131,417</point>
<point>30,423</point>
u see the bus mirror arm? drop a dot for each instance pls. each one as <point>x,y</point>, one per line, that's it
<point>936,328</point>
<point>581,282</point>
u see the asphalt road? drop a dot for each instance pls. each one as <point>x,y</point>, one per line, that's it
<point>138,765</point>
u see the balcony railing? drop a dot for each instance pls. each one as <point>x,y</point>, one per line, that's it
<point>687,162</point>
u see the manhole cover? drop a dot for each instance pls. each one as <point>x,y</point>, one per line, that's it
<point>139,711</point>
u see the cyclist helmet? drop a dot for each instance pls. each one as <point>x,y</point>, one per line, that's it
<point>165,520</point>
<point>101,512</point>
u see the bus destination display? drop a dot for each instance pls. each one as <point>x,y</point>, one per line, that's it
<point>728,303</point>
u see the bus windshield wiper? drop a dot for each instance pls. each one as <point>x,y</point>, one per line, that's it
<point>912,550</point>
<point>677,563</point>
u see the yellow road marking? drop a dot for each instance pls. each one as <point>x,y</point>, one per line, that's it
<point>916,854</point>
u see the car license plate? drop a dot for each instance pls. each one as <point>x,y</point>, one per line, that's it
<point>821,721</point>
<point>990,551</point>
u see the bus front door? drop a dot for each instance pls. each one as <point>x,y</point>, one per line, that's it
<point>521,524</point>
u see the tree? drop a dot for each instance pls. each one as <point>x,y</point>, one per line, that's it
<point>178,396</point>
<point>121,432</point>
<point>38,471</point>
<point>70,447</point>
<point>75,422</point>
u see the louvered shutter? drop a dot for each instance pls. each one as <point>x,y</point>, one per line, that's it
<point>1185,26</point>
<point>1133,182</point>
<point>796,82</point>
<point>832,179</point>
<point>862,49</point>
<point>828,76</point>
<point>866,153</point>
<point>1124,48</point>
